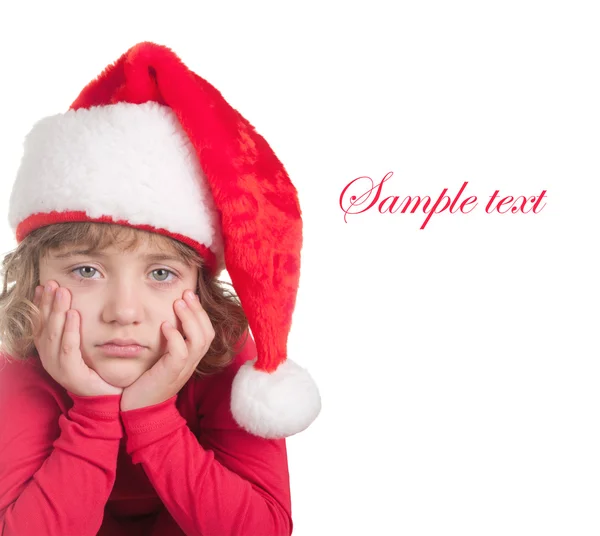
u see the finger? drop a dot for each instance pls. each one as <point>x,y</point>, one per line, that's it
<point>194,304</point>
<point>37,295</point>
<point>47,298</point>
<point>68,356</point>
<point>191,315</point>
<point>56,322</point>
<point>45,304</point>
<point>177,349</point>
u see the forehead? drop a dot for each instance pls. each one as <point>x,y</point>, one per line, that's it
<point>142,248</point>
<point>148,255</point>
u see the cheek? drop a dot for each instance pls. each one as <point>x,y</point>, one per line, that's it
<point>82,304</point>
<point>162,310</point>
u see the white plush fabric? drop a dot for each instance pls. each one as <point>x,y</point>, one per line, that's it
<point>129,161</point>
<point>274,405</point>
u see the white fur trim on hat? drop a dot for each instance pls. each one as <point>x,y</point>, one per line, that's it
<point>132,162</point>
<point>277,404</point>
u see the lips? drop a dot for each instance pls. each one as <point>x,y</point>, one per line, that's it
<point>122,348</point>
<point>122,342</point>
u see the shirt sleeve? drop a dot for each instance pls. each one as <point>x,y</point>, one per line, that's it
<point>225,482</point>
<point>56,469</point>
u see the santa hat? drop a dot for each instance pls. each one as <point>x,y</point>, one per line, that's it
<point>151,145</point>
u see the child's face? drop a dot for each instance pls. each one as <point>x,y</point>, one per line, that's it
<point>121,295</point>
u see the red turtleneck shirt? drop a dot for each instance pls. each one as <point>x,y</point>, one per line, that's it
<point>78,466</point>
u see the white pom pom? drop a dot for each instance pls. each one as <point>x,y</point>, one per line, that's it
<point>277,404</point>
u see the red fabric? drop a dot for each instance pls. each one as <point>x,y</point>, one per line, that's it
<point>41,219</point>
<point>257,202</point>
<point>78,466</point>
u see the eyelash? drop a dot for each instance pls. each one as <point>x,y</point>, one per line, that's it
<point>160,283</point>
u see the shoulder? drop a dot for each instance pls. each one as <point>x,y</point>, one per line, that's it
<point>27,377</point>
<point>16,370</point>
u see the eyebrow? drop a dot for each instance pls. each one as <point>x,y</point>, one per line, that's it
<point>150,257</point>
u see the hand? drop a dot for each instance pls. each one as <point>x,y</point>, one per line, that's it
<point>58,343</point>
<point>170,373</point>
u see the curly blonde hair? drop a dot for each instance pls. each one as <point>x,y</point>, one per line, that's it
<point>21,275</point>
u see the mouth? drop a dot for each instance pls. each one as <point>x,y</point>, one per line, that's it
<point>122,347</point>
<point>122,342</point>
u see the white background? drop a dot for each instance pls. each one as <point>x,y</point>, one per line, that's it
<point>458,365</point>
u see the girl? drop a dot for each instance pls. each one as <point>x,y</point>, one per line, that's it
<point>133,397</point>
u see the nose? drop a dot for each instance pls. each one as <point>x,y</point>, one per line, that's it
<point>123,302</point>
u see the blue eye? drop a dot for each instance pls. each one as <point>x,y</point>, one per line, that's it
<point>83,268</point>
<point>162,270</point>
<point>87,272</point>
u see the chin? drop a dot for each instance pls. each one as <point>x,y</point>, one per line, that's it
<point>121,373</point>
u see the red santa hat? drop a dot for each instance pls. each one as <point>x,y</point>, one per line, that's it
<point>151,145</point>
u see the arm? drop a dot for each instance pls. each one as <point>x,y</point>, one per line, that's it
<point>56,470</point>
<point>226,483</point>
